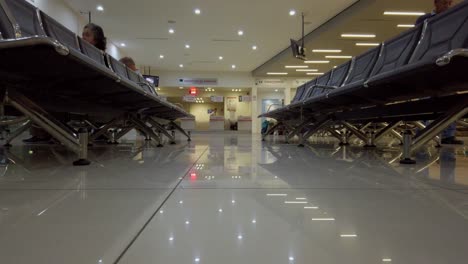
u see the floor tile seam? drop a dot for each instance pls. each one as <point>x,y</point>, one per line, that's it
<point>88,189</point>
<point>150,219</point>
<point>347,189</point>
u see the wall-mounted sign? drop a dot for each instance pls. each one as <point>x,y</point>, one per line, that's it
<point>217,99</point>
<point>269,82</point>
<point>245,98</point>
<point>198,81</point>
<point>189,98</point>
<point>193,91</point>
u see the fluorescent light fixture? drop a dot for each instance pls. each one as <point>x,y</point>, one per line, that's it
<point>311,207</point>
<point>197,11</point>
<point>240,33</point>
<point>307,70</point>
<point>181,65</point>
<point>323,219</point>
<point>161,56</point>
<point>277,73</point>
<point>233,66</point>
<point>406,25</point>
<point>171,31</point>
<point>292,12</point>
<point>294,202</point>
<point>296,67</point>
<point>367,44</point>
<point>276,194</point>
<point>100,8</point>
<point>220,58</point>
<point>326,50</point>
<point>403,13</point>
<point>348,235</point>
<point>387,260</point>
<point>315,73</point>
<point>254,47</point>
<point>358,35</point>
<point>300,198</point>
<point>339,57</point>
<point>317,62</point>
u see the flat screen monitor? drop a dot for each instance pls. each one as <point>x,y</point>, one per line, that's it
<point>298,50</point>
<point>154,80</point>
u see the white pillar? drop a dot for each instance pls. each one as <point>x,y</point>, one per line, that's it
<point>255,111</point>
<point>287,95</point>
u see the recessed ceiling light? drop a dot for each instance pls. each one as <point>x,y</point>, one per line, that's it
<point>296,66</point>
<point>181,65</point>
<point>358,35</point>
<point>406,25</point>
<point>171,31</point>
<point>292,12</point>
<point>387,260</point>
<point>233,66</point>
<point>197,11</point>
<point>326,50</point>
<point>323,219</point>
<point>294,202</point>
<point>187,46</point>
<point>403,13</point>
<point>240,33</point>
<point>276,90</point>
<point>220,58</point>
<point>307,70</point>
<point>277,73</point>
<point>314,73</point>
<point>317,62</point>
<point>161,56</point>
<point>197,259</point>
<point>100,8</point>
<point>239,237</point>
<point>181,87</point>
<point>254,47</point>
<point>348,235</point>
<point>362,44</point>
<point>123,45</point>
<point>291,258</point>
<point>339,57</point>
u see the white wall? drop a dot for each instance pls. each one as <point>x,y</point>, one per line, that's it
<point>72,19</point>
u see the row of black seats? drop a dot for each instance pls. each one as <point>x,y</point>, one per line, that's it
<point>21,21</point>
<point>428,60</point>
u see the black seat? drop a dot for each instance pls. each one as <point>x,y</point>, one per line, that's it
<point>299,93</point>
<point>92,52</point>
<point>6,28</point>
<point>59,32</point>
<point>118,67</point>
<point>26,17</point>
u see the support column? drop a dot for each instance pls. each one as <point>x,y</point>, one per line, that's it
<point>287,95</point>
<point>255,111</point>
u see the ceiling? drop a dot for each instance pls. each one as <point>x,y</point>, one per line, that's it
<point>143,26</point>
<point>364,17</point>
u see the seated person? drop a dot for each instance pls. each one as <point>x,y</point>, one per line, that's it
<point>130,63</point>
<point>93,34</point>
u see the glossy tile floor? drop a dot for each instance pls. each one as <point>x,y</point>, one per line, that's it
<point>230,198</point>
